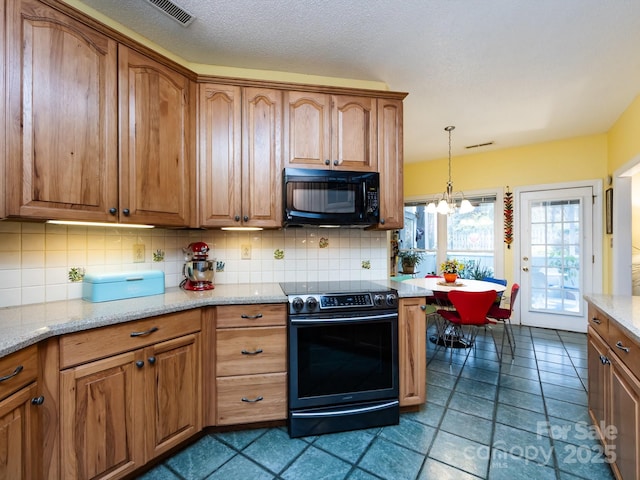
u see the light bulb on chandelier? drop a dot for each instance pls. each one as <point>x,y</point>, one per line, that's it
<point>447,203</point>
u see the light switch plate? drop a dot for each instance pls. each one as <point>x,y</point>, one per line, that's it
<point>138,253</point>
<point>245,252</point>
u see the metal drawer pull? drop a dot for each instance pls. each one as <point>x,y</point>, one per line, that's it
<point>255,352</point>
<point>37,400</point>
<point>252,317</point>
<point>621,347</point>
<point>11,375</point>
<point>596,320</point>
<point>259,398</point>
<point>604,360</point>
<point>142,334</point>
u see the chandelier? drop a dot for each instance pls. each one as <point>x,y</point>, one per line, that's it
<point>448,201</point>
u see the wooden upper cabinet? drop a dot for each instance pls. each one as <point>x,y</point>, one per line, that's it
<point>390,164</point>
<point>3,212</point>
<point>240,158</point>
<point>157,164</point>
<point>62,116</point>
<point>262,157</point>
<point>330,131</point>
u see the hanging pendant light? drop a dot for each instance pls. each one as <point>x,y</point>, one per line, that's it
<point>447,203</point>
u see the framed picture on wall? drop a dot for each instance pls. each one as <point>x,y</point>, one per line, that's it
<point>608,205</point>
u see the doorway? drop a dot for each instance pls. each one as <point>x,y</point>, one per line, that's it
<point>556,262</point>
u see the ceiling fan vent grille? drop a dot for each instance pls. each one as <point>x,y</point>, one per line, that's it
<point>179,14</point>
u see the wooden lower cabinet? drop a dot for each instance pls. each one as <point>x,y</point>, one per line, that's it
<point>614,393</point>
<point>19,435</point>
<point>119,412</point>
<point>251,363</point>
<point>412,333</point>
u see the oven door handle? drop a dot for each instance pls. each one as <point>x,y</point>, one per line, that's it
<point>329,320</point>
<point>350,411</point>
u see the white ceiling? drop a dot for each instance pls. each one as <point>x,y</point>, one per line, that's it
<point>515,72</point>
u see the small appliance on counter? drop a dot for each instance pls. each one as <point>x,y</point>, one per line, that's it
<point>197,270</point>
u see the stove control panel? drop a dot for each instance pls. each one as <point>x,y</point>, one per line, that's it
<point>350,301</point>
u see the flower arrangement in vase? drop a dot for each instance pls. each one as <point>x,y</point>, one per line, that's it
<point>450,269</point>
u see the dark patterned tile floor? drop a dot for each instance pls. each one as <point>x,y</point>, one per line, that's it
<point>519,418</point>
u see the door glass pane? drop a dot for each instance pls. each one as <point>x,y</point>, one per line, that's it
<point>420,232</point>
<point>555,256</point>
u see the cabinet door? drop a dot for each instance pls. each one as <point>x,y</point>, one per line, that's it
<point>307,130</point>
<point>599,374</point>
<point>102,418</point>
<point>262,158</point>
<point>220,154</point>
<point>173,383</point>
<point>390,161</point>
<point>19,450</point>
<point>62,123</point>
<point>412,353</point>
<point>625,418</point>
<point>156,164</point>
<point>354,133</point>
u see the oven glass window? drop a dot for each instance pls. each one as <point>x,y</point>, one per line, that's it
<point>322,197</point>
<point>344,358</point>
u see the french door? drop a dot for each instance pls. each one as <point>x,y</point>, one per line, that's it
<point>556,257</point>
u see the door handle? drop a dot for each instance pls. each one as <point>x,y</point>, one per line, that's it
<point>525,269</point>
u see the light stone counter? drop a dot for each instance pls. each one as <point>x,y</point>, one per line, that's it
<point>624,309</point>
<point>26,325</point>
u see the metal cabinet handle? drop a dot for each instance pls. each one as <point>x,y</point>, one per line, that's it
<point>259,398</point>
<point>622,347</point>
<point>113,210</point>
<point>382,221</point>
<point>126,212</point>
<point>237,218</point>
<point>251,317</point>
<point>336,163</point>
<point>246,218</point>
<point>423,307</point>
<point>11,375</point>
<point>146,332</point>
<point>152,360</point>
<point>139,364</point>
<point>596,320</point>
<point>604,360</point>
<point>255,352</point>
<point>327,162</point>
<point>37,400</point>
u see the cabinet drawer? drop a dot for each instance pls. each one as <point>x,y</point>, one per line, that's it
<point>81,347</point>
<point>625,348</point>
<point>242,351</point>
<point>258,315</point>
<point>599,322</point>
<point>17,370</point>
<point>252,398</point>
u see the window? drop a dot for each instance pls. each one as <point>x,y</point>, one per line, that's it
<point>470,238</point>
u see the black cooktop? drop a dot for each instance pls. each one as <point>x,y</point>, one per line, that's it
<point>332,286</point>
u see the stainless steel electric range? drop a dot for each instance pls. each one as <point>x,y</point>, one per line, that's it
<point>343,356</point>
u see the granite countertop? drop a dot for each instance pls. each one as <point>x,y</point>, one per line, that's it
<point>25,325</point>
<point>624,309</point>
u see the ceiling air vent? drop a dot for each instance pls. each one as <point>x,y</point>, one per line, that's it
<point>486,144</point>
<point>179,14</point>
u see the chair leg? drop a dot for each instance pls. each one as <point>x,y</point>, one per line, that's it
<point>495,344</point>
<point>509,332</point>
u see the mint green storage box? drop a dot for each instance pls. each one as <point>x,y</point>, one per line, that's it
<point>104,287</point>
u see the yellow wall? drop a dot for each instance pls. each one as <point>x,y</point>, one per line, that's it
<point>582,158</point>
<point>624,137</point>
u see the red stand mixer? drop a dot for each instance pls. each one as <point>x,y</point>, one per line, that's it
<point>198,271</point>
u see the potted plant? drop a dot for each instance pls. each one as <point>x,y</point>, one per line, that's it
<point>409,260</point>
<point>450,269</point>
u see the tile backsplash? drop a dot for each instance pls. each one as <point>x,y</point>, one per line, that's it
<point>43,263</point>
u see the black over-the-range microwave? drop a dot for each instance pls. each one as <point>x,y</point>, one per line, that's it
<point>330,197</point>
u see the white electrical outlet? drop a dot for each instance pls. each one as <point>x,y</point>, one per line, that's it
<point>138,253</point>
<point>245,252</point>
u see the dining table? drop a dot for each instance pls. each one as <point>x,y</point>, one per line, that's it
<point>437,284</point>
